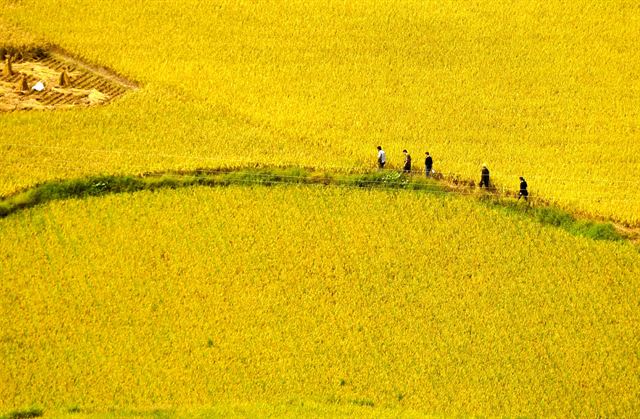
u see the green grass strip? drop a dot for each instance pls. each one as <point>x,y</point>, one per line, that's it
<point>32,412</point>
<point>110,184</point>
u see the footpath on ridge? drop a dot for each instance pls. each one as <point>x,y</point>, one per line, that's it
<point>536,208</point>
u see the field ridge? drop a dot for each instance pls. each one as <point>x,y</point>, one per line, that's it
<point>537,208</point>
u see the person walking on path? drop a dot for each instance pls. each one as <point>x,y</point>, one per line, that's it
<point>382,158</point>
<point>428,164</point>
<point>523,190</point>
<point>484,177</point>
<point>407,162</point>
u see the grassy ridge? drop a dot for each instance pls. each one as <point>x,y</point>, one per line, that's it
<point>102,185</point>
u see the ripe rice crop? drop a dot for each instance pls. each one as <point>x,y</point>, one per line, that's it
<point>339,297</point>
<point>544,89</point>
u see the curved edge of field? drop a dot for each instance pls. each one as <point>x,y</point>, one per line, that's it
<point>87,65</point>
<point>537,208</point>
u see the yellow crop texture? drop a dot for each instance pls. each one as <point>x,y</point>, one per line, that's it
<point>545,89</point>
<point>11,35</point>
<point>193,297</point>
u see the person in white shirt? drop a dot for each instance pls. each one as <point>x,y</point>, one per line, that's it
<point>382,158</point>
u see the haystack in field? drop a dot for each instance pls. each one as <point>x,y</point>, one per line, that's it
<point>8,69</point>
<point>23,85</point>
<point>65,80</point>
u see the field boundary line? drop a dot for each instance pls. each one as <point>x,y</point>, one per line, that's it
<point>538,209</point>
<point>106,72</point>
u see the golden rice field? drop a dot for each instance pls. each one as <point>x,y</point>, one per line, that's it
<point>344,299</point>
<point>326,300</point>
<point>545,89</point>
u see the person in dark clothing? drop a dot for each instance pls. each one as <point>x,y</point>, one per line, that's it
<point>523,189</point>
<point>407,162</point>
<point>428,164</point>
<point>484,178</point>
<point>382,158</point>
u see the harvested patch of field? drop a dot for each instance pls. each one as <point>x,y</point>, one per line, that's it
<point>84,85</point>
